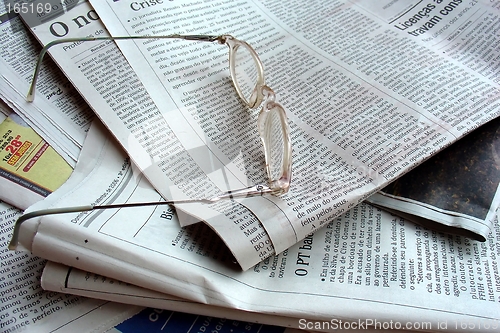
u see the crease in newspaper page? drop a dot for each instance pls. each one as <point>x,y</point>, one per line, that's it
<point>71,280</point>
<point>57,277</point>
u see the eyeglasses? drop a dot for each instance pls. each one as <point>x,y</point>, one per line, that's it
<point>247,74</point>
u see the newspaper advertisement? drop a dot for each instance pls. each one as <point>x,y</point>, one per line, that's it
<point>30,169</point>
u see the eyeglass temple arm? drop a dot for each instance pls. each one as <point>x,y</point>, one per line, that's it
<point>31,93</point>
<point>27,216</point>
<point>74,209</point>
<point>241,193</point>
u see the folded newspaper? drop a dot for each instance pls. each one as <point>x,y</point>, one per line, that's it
<point>458,187</point>
<point>171,106</point>
<point>366,268</point>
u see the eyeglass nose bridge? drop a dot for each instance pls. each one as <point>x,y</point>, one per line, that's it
<point>267,95</point>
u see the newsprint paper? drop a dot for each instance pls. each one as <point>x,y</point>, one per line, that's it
<point>368,97</point>
<point>366,266</point>
<point>366,102</point>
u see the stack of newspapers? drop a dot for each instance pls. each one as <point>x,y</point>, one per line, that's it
<point>390,219</point>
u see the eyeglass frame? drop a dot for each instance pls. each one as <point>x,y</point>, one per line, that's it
<point>261,95</point>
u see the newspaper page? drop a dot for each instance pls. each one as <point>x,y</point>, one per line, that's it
<point>365,267</point>
<point>30,168</point>
<point>460,183</point>
<point>423,84</point>
<point>342,179</point>
<point>59,114</point>
<point>335,166</point>
<point>26,307</point>
<point>249,230</point>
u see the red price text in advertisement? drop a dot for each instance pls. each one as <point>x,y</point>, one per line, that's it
<point>13,147</point>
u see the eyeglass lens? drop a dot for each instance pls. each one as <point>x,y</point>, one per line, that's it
<point>246,73</point>
<point>273,140</point>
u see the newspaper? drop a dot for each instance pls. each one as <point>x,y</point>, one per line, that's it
<point>460,183</point>
<point>393,109</point>
<point>30,169</point>
<point>365,267</point>
<point>26,307</point>
<point>57,277</point>
<point>59,114</point>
